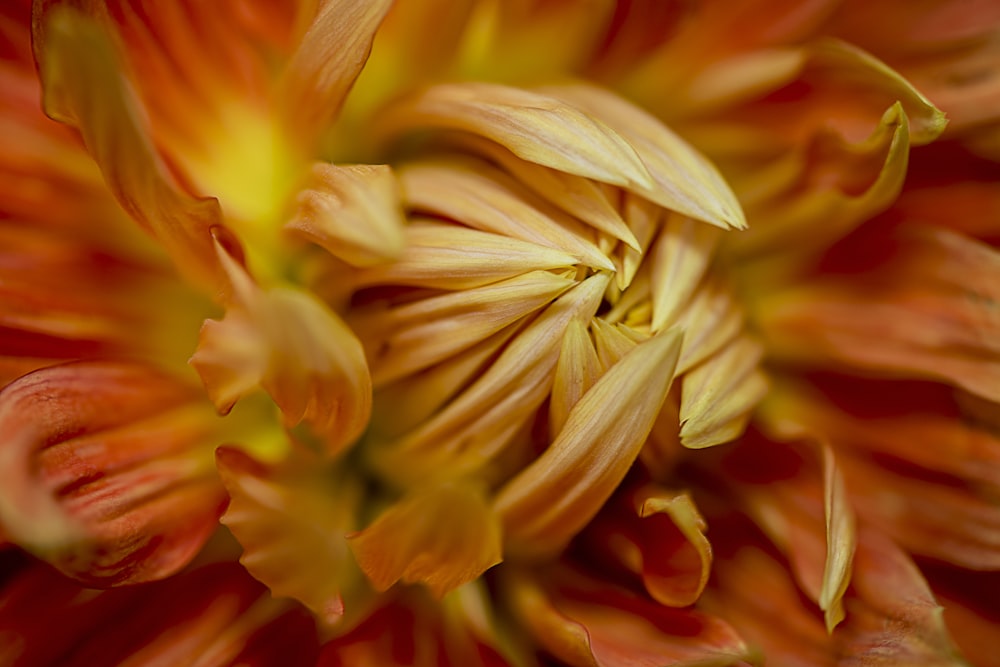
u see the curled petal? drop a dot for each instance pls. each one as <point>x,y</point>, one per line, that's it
<point>534,126</point>
<point>75,58</point>
<point>353,211</point>
<point>288,342</point>
<point>442,535</point>
<point>548,502</point>
<point>104,470</point>
<point>292,521</point>
<point>589,623</point>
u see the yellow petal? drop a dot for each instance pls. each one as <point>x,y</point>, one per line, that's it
<point>420,333</point>
<point>548,502</point>
<point>576,372</point>
<point>77,58</point>
<point>533,126</point>
<point>712,319</point>
<point>481,196</point>
<point>718,396</point>
<point>475,426</point>
<point>441,535</point>
<point>289,343</point>
<point>292,520</point>
<point>610,342</point>
<point>680,257</point>
<point>682,179</point>
<point>328,59</point>
<point>447,256</point>
<point>840,542</point>
<point>353,211</point>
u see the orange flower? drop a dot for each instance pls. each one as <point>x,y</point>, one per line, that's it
<point>597,333</point>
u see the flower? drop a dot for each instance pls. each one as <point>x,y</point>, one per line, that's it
<point>595,333</point>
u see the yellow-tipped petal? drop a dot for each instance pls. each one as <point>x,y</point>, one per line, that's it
<point>718,396</point>
<point>418,334</point>
<point>682,179</point>
<point>292,520</point>
<point>680,258</point>
<point>329,58</point>
<point>840,542</point>
<point>354,211</point>
<point>611,343</point>
<point>536,127</point>
<point>441,535</point>
<point>76,58</point>
<point>482,197</point>
<point>548,502</point>
<point>454,258</point>
<point>289,343</point>
<point>576,372</point>
<point>475,426</point>
<point>712,319</point>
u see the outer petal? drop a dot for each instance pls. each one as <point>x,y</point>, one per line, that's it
<point>912,317</point>
<point>292,520</point>
<point>76,58</point>
<point>288,342</point>
<point>443,535</point>
<point>548,502</point>
<point>106,471</point>
<point>213,616</point>
<point>588,623</point>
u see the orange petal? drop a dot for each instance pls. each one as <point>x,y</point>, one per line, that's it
<point>585,621</point>
<point>107,471</point>
<point>288,342</point>
<point>292,520</point>
<point>216,612</point>
<point>76,57</point>
<point>548,502</point>
<point>353,211</point>
<point>328,59</point>
<point>932,313</point>
<point>442,535</point>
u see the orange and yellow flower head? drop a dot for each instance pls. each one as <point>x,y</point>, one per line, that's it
<point>487,333</point>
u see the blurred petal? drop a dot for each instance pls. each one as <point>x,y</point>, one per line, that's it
<point>288,342</point>
<point>586,622</point>
<point>680,257</point>
<point>291,520</point>
<point>77,57</point>
<point>106,471</point>
<point>932,314</point>
<point>354,212</point>
<point>328,59</point>
<point>442,535</point>
<point>548,502</point>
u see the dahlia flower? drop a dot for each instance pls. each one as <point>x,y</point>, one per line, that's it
<point>592,333</point>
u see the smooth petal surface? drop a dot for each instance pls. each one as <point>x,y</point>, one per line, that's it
<point>292,520</point>
<point>104,470</point>
<point>77,57</point>
<point>353,211</point>
<point>548,502</point>
<point>286,341</point>
<point>442,535</point>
